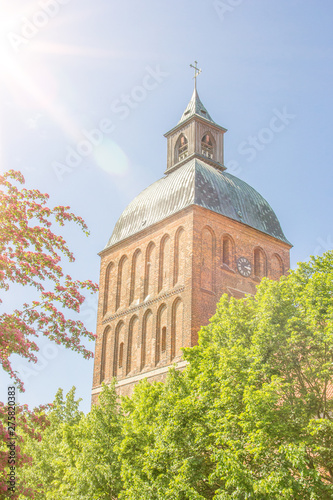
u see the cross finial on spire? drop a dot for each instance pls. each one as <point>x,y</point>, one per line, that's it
<point>197,72</point>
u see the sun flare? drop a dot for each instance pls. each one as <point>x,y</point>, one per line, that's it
<point>29,77</point>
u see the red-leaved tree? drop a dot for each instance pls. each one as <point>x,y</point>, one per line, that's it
<point>30,255</point>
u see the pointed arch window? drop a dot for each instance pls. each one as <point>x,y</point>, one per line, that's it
<point>179,257</point>
<point>228,251</point>
<point>107,287</point>
<point>146,332</point>
<point>121,354</point>
<point>149,270</point>
<point>207,148</point>
<point>105,342</point>
<point>160,332</point>
<point>122,282</point>
<point>260,263</point>
<point>135,291</point>
<point>116,352</point>
<point>207,259</point>
<point>163,342</point>
<point>177,319</point>
<point>164,262</point>
<point>132,334</point>
<point>182,147</point>
<point>277,268</point>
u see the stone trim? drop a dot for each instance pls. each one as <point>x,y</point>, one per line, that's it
<point>141,376</point>
<point>232,291</point>
<point>210,292</point>
<point>144,304</point>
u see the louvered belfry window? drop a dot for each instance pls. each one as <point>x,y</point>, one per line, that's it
<point>207,146</point>
<point>183,148</point>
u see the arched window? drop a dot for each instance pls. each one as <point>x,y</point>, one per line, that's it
<point>132,336</point>
<point>160,325</point>
<point>163,342</point>
<point>136,277</point>
<point>105,342</point>
<point>122,282</point>
<point>228,253</point>
<point>277,268</point>
<point>121,354</point>
<point>164,267</point>
<point>179,257</point>
<point>118,335</point>
<point>176,327</point>
<point>146,336</point>
<point>207,259</point>
<point>207,148</point>
<point>107,287</point>
<point>181,148</point>
<point>260,263</point>
<point>150,270</point>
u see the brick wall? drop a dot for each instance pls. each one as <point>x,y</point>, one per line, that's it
<point>152,294</point>
<point>157,288</point>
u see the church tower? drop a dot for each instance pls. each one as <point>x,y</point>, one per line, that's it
<point>195,234</point>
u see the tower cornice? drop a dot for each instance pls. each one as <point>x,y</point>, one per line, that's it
<point>199,156</point>
<point>198,118</point>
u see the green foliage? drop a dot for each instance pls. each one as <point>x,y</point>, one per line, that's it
<point>163,451</point>
<point>95,466</point>
<point>251,417</point>
<point>50,457</point>
<point>272,366</point>
<point>76,457</point>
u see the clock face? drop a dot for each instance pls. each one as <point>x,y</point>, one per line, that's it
<point>244,267</point>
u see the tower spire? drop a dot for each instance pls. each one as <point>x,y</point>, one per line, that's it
<point>197,72</point>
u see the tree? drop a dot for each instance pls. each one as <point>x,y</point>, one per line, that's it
<point>95,468</point>
<point>31,425</point>
<point>271,357</point>
<point>250,417</point>
<point>30,255</point>
<point>252,414</point>
<point>77,456</point>
<point>47,472</point>
<point>165,448</point>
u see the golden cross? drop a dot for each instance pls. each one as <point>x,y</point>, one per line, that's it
<point>197,72</point>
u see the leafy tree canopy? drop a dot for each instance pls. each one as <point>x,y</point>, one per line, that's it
<point>250,416</point>
<point>30,255</point>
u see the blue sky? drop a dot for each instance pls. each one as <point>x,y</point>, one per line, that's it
<point>70,67</point>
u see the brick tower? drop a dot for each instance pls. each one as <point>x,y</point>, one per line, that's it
<point>180,244</point>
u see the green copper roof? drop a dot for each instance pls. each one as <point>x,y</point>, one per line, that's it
<point>197,183</point>
<point>195,107</point>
